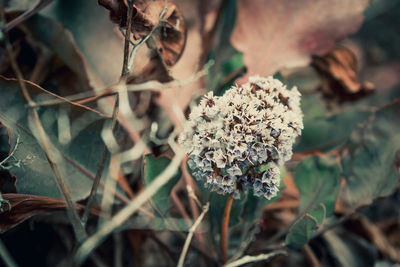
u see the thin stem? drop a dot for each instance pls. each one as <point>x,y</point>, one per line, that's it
<point>26,15</point>
<point>180,207</point>
<point>190,235</point>
<point>100,169</point>
<point>225,227</point>
<point>142,41</point>
<point>104,154</point>
<point>338,222</point>
<point>90,96</point>
<point>189,181</point>
<point>125,69</point>
<point>193,195</point>
<point>301,214</point>
<point>311,256</point>
<point>94,241</point>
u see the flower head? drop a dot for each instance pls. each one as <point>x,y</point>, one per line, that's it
<point>230,139</point>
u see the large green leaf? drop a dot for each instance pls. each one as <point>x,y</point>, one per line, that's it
<point>301,232</point>
<point>368,166</point>
<point>94,33</point>
<point>318,181</point>
<point>59,40</point>
<point>151,169</point>
<point>73,131</point>
<point>324,133</point>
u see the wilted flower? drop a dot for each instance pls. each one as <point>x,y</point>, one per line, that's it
<point>238,141</point>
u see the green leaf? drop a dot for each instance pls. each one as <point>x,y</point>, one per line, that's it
<point>217,78</point>
<point>151,169</point>
<point>301,232</point>
<point>318,181</point>
<point>234,63</point>
<point>318,213</point>
<point>94,34</point>
<point>325,133</point>
<point>368,166</point>
<point>76,140</point>
<point>227,59</point>
<point>59,40</point>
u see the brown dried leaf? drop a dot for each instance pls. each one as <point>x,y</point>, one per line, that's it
<point>274,34</point>
<point>118,11</point>
<point>338,71</point>
<point>198,13</point>
<point>170,34</point>
<point>191,60</point>
<point>24,207</point>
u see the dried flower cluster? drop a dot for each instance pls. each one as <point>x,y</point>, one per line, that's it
<point>238,141</point>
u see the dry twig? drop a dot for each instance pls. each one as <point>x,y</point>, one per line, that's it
<point>250,259</point>
<point>190,235</point>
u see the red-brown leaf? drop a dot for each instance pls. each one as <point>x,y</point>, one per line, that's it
<point>274,34</point>
<point>24,207</point>
<point>170,36</point>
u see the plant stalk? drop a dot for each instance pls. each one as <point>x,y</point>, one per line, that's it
<point>225,227</point>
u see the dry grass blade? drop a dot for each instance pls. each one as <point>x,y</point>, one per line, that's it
<point>91,96</point>
<point>26,15</point>
<point>58,98</point>
<point>5,255</point>
<point>95,240</point>
<point>250,259</point>
<point>190,235</point>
